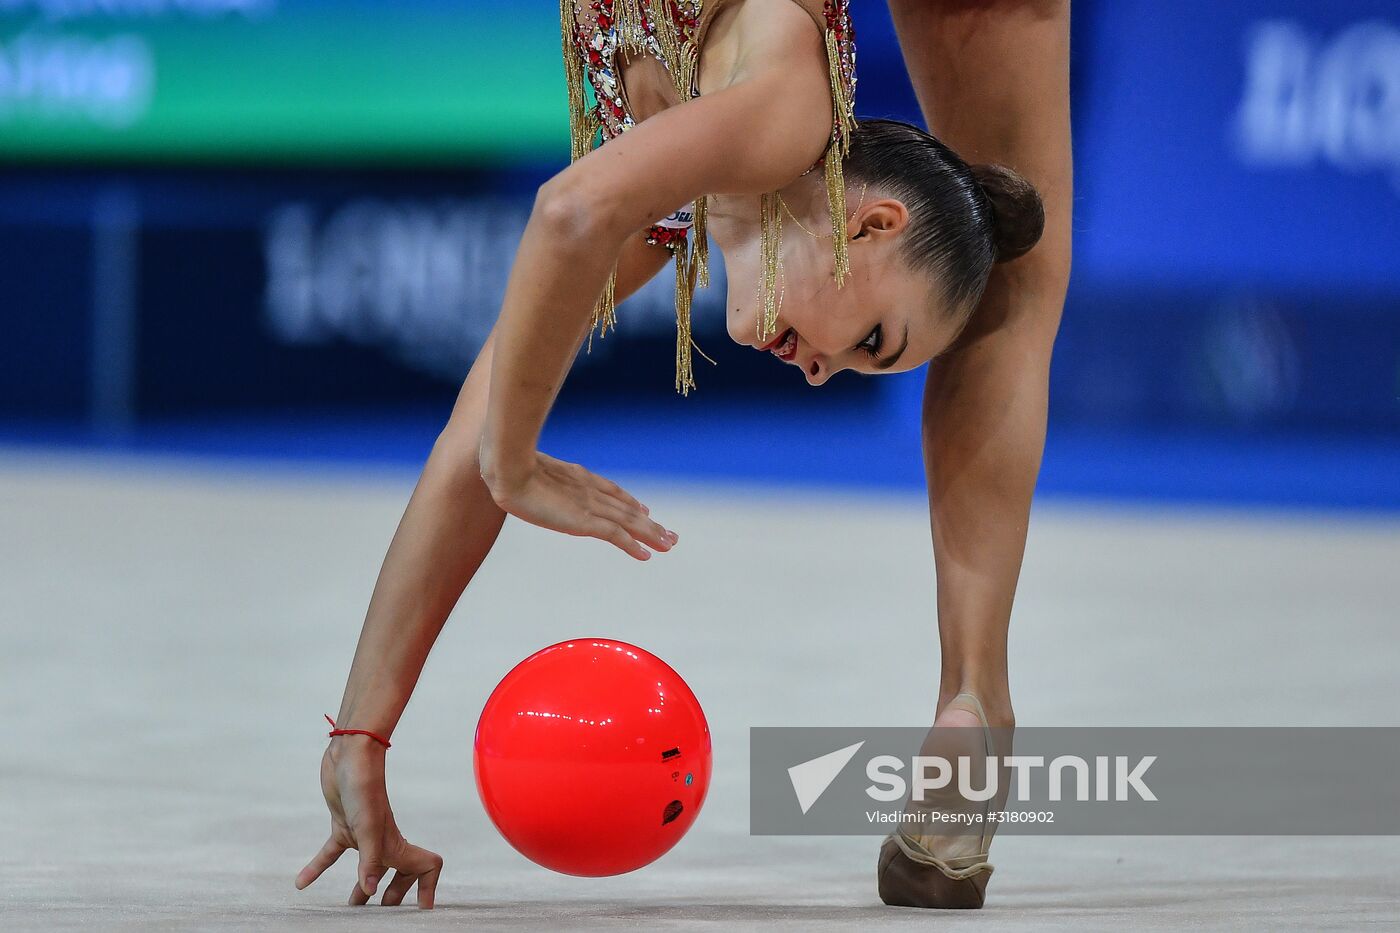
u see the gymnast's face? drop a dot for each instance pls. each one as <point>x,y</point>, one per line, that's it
<point>887,318</point>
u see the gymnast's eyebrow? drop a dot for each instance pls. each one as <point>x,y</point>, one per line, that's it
<point>893,358</point>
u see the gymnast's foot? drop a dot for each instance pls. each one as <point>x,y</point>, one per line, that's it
<point>920,868</point>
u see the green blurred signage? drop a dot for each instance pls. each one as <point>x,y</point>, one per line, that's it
<point>279,80</point>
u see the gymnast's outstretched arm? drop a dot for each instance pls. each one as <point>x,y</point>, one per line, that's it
<point>449,527</point>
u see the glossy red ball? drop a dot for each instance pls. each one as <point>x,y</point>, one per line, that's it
<point>592,757</point>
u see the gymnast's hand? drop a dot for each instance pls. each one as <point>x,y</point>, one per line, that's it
<point>352,780</point>
<point>568,498</point>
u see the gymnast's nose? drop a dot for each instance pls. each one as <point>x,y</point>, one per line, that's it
<point>817,369</point>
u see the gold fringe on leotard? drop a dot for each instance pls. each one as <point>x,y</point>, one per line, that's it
<point>580,135</point>
<point>770,243</point>
<point>604,310</point>
<point>685,294</point>
<point>679,56</point>
<point>692,271</point>
<point>844,116</point>
<point>689,268</point>
<point>701,244</point>
<point>627,17</point>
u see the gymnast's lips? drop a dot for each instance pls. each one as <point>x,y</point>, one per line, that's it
<point>787,350</point>
<point>783,346</point>
<point>777,339</point>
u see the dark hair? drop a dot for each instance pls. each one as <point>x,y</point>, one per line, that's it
<point>962,218</point>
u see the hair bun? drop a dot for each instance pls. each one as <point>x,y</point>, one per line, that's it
<point>1018,216</point>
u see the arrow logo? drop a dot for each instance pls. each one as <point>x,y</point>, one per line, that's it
<point>811,778</point>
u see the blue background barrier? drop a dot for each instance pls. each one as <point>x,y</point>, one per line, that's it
<point>1232,331</point>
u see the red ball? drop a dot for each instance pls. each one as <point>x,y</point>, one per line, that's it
<point>592,757</point>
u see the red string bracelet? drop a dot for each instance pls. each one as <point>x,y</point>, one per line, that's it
<point>335,731</point>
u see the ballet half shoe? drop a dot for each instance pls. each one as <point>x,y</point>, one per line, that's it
<point>907,876</point>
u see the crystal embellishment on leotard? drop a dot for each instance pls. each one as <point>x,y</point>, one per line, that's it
<point>595,33</point>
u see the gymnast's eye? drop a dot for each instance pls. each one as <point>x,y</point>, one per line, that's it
<point>871,344</point>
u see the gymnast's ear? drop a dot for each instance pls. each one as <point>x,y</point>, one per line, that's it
<point>880,217</point>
